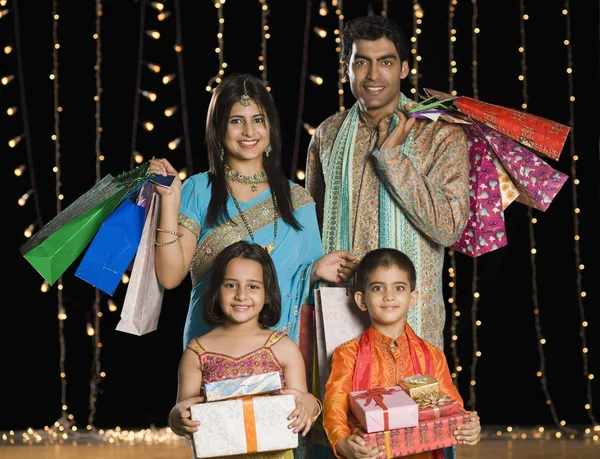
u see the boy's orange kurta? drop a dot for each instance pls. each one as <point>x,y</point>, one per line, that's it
<point>390,364</point>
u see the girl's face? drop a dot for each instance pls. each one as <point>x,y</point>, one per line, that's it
<point>247,133</point>
<point>242,292</point>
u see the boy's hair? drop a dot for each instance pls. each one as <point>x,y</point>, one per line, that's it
<point>271,311</point>
<point>384,258</point>
<point>373,28</point>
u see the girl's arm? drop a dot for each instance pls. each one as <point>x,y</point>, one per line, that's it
<point>308,407</point>
<point>188,394</point>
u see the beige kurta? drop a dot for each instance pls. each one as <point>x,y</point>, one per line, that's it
<point>431,188</point>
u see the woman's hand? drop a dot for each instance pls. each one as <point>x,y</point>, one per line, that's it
<point>337,266</point>
<point>307,407</point>
<point>469,433</point>
<point>164,168</point>
<point>180,417</point>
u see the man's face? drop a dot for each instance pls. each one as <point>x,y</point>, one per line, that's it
<point>375,72</point>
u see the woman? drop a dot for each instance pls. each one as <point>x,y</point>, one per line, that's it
<point>244,196</point>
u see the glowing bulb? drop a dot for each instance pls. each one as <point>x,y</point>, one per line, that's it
<point>29,230</point>
<point>4,13</point>
<point>19,170</point>
<point>45,287</point>
<point>148,126</point>
<point>169,111</point>
<point>153,33</point>
<point>301,175</point>
<point>90,330</point>
<point>155,68</point>
<point>157,5</point>
<point>163,15</point>
<point>182,174</point>
<point>310,129</point>
<point>418,11</point>
<point>8,49</point>
<point>323,9</point>
<point>112,307</point>
<point>12,143</point>
<point>7,79</point>
<point>173,144</point>
<point>168,78</point>
<point>151,96</point>
<point>316,79</point>
<point>320,32</point>
<point>125,278</point>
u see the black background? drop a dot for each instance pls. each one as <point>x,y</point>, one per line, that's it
<point>140,383</point>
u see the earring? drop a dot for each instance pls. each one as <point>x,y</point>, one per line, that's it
<point>221,152</point>
<point>268,150</point>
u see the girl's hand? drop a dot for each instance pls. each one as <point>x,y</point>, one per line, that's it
<point>469,433</point>
<point>306,408</point>
<point>337,266</point>
<point>354,447</point>
<point>180,417</point>
<point>164,168</point>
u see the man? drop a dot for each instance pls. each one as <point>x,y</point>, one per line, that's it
<point>381,179</point>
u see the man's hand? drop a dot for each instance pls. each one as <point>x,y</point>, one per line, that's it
<point>397,137</point>
<point>354,447</point>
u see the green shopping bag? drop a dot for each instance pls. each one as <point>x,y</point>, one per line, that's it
<point>57,252</point>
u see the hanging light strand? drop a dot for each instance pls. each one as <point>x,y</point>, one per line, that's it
<point>384,8</point>
<point>475,322</point>
<point>96,369</point>
<point>265,34</point>
<point>338,5</point>
<point>182,90</point>
<point>138,84</point>
<point>25,117</point>
<point>219,49</point>
<point>414,71</point>
<point>65,419</point>
<point>452,270</point>
<point>576,211</point>
<point>541,341</point>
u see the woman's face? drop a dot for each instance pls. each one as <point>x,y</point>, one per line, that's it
<point>247,133</point>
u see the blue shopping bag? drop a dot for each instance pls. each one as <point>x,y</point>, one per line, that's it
<point>114,246</point>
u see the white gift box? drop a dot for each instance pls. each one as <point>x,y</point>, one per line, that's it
<point>244,425</point>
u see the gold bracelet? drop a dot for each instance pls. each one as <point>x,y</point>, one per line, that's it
<point>314,418</point>
<point>162,244</point>
<point>175,233</point>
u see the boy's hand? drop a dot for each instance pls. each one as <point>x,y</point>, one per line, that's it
<point>354,447</point>
<point>305,410</point>
<point>469,433</point>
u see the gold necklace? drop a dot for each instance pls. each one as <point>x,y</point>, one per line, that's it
<point>269,247</point>
<point>252,180</point>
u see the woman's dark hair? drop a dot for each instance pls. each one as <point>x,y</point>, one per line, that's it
<point>373,28</point>
<point>225,95</point>
<point>271,311</point>
<point>384,258</point>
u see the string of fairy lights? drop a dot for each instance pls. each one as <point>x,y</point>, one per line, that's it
<point>579,266</point>
<point>417,16</point>
<point>475,322</point>
<point>338,5</point>
<point>452,273</point>
<point>541,341</point>
<point>216,79</point>
<point>93,328</point>
<point>265,35</point>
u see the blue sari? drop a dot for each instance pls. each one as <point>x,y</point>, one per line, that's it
<point>293,256</point>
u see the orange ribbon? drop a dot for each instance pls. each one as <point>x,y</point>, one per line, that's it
<point>376,395</point>
<point>249,425</point>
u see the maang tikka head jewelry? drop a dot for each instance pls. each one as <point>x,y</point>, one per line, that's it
<point>245,100</point>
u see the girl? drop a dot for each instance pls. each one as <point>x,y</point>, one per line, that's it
<point>242,302</point>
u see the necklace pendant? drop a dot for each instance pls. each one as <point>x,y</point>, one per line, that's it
<point>270,247</point>
<point>254,187</point>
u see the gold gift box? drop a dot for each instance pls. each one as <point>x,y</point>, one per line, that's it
<point>419,386</point>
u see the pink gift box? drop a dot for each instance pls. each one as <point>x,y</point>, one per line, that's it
<point>380,409</point>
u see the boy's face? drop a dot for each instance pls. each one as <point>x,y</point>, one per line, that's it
<point>387,296</point>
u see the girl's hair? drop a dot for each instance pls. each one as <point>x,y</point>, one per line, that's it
<point>384,258</point>
<point>225,95</point>
<point>271,311</point>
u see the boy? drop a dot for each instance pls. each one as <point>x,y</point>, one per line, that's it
<point>386,353</point>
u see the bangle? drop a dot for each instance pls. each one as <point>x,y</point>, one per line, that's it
<point>175,233</point>
<point>314,418</point>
